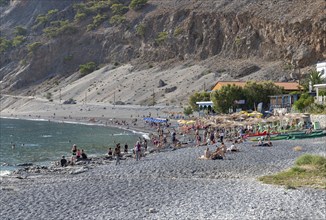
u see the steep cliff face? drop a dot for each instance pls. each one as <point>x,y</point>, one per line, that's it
<point>291,32</point>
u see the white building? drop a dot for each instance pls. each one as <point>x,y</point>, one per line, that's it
<point>321,67</point>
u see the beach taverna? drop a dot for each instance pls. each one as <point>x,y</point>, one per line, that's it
<point>276,101</point>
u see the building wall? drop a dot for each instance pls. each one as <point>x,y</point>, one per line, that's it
<point>321,67</point>
<point>319,118</point>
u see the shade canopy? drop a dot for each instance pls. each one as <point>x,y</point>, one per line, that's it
<point>156,120</point>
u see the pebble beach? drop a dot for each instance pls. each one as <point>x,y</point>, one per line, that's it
<point>174,184</point>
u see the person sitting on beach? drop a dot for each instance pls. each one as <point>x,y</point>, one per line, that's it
<point>207,153</point>
<point>268,144</point>
<point>309,131</point>
<point>259,144</point>
<point>83,155</point>
<point>223,147</point>
<point>78,154</point>
<point>110,152</point>
<point>63,161</point>
<point>218,154</point>
<point>233,148</point>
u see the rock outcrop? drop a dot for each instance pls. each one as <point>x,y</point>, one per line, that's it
<point>162,32</point>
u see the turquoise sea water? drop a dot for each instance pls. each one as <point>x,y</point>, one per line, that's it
<point>42,142</point>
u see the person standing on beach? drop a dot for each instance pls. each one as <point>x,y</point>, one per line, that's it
<point>126,148</point>
<point>74,149</point>
<point>145,144</point>
<point>221,135</point>
<point>137,150</point>
<point>117,155</point>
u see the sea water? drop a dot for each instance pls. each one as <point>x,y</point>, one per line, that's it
<point>42,142</point>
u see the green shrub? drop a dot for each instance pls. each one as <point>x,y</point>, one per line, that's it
<point>308,159</point>
<point>5,44</point>
<point>87,68</point>
<point>68,58</point>
<point>80,16</point>
<point>52,12</point>
<point>117,19</point>
<point>187,110</point>
<point>20,31</point>
<point>98,19</point>
<point>140,30</point>
<point>303,102</point>
<point>34,46</point>
<point>41,20</point>
<point>83,9</point>
<point>137,4</point>
<point>59,28</point>
<point>161,37</point>
<point>48,96</point>
<point>177,31</point>
<point>91,27</point>
<point>119,9</point>
<point>18,40</point>
<point>4,3</point>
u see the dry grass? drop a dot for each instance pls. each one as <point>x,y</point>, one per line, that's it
<point>297,148</point>
<point>310,171</point>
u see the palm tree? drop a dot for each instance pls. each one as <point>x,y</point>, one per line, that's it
<point>315,77</point>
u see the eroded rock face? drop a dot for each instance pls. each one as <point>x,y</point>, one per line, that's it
<point>293,32</point>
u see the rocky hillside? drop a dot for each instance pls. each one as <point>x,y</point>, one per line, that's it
<point>189,44</point>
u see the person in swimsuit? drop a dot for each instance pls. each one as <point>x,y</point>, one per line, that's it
<point>74,149</point>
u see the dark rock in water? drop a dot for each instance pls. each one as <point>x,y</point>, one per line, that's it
<point>24,164</point>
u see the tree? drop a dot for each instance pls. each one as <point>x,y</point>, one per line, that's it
<point>87,68</point>
<point>198,97</point>
<point>137,4</point>
<point>20,31</point>
<point>225,98</point>
<point>260,92</point>
<point>303,102</point>
<point>314,77</point>
<point>187,110</point>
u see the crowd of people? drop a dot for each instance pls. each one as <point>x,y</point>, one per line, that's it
<point>77,155</point>
<point>168,136</point>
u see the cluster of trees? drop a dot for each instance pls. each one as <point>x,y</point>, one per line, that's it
<point>228,96</point>
<point>254,93</point>
<point>306,101</point>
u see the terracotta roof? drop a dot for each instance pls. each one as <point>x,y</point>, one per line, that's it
<point>288,86</point>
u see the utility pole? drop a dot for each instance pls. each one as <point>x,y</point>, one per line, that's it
<point>114,99</point>
<point>60,96</point>
<point>153,98</point>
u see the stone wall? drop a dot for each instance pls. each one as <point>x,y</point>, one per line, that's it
<point>319,118</point>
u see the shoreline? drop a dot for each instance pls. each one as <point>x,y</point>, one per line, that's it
<point>172,185</point>
<point>175,184</point>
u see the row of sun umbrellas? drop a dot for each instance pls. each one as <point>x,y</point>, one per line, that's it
<point>243,119</point>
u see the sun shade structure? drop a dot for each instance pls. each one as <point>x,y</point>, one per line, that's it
<point>205,104</point>
<point>156,120</point>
